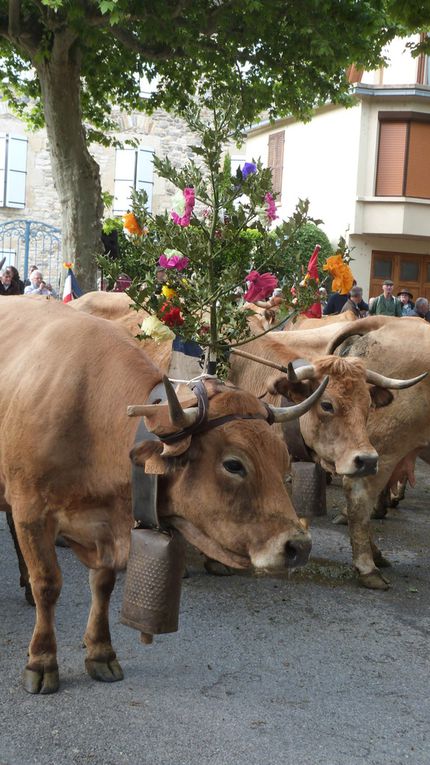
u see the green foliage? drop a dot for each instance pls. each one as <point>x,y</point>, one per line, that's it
<point>286,58</point>
<point>225,234</point>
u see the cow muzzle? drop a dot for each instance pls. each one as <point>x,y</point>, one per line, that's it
<point>361,465</point>
<point>283,551</point>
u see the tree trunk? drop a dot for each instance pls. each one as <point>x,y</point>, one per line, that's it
<point>76,174</point>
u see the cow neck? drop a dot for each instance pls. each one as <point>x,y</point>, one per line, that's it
<point>298,449</point>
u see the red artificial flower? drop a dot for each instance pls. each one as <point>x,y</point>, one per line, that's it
<point>260,286</point>
<point>171,315</point>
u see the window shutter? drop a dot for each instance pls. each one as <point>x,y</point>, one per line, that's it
<point>418,178</point>
<point>353,74</point>
<point>125,179</point>
<point>16,171</point>
<point>276,160</point>
<point>391,159</point>
<point>2,166</point>
<point>145,173</point>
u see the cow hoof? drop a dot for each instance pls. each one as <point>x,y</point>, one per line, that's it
<point>215,568</point>
<point>340,520</point>
<point>374,581</point>
<point>38,681</point>
<point>104,671</point>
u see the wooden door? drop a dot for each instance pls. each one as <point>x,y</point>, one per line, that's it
<point>406,269</point>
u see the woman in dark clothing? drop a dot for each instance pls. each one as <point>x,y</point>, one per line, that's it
<point>16,279</point>
<point>7,285</point>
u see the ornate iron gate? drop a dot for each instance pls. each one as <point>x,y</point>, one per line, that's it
<point>27,242</point>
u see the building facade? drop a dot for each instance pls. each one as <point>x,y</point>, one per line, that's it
<point>27,191</point>
<point>365,169</point>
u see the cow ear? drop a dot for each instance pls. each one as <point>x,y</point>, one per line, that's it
<point>147,454</point>
<point>380,396</point>
<point>295,391</point>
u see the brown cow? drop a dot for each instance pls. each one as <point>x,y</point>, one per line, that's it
<point>335,428</point>
<point>305,322</point>
<point>397,436</point>
<point>64,468</point>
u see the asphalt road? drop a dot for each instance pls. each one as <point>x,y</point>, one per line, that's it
<point>306,670</point>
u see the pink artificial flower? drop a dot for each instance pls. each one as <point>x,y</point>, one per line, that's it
<point>260,286</point>
<point>189,197</point>
<point>174,261</point>
<point>270,207</point>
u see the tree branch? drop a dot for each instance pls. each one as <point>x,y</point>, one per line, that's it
<point>14,26</point>
<point>130,41</point>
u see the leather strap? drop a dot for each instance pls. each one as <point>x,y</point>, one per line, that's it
<point>144,486</point>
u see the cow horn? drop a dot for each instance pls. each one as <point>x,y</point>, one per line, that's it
<point>181,418</point>
<point>306,372</point>
<point>389,382</point>
<point>284,414</point>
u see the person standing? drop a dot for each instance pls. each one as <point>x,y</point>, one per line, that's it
<point>7,285</point>
<point>355,303</point>
<point>405,298</point>
<point>421,309</point>
<point>386,304</point>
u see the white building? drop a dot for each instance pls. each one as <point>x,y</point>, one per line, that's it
<point>365,169</point>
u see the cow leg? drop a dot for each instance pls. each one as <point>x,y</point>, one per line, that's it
<point>382,504</point>
<point>24,579</point>
<point>361,495</point>
<point>101,662</point>
<point>36,539</point>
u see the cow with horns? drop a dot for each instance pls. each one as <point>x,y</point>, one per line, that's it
<point>68,472</point>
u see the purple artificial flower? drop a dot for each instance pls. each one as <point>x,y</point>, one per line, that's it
<point>174,261</point>
<point>249,168</point>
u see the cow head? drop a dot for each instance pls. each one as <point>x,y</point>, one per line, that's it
<point>335,428</point>
<point>223,486</point>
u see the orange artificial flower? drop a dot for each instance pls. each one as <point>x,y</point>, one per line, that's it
<point>131,224</point>
<point>340,273</point>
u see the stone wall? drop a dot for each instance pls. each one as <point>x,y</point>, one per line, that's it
<point>167,135</point>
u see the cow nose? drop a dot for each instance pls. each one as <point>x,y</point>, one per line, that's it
<point>366,464</point>
<point>297,551</point>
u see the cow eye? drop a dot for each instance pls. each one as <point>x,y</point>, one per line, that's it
<point>235,467</point>
<point>326,406</point>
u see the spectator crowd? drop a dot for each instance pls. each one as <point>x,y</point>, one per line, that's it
<point>12,284</point>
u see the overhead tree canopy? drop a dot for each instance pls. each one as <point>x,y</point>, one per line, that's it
<point>69,62</point>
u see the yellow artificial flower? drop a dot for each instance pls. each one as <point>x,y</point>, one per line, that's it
<point>154,328</point>
<point>168,292</point>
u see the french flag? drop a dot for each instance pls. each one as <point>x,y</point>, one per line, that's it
<point>71,287</point>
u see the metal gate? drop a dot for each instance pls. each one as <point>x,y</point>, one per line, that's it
<point>27,242</point>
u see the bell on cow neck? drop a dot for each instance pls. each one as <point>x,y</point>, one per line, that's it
<point>153,582</point>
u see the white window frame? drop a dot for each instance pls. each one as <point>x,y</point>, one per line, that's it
<point>140,175</point>
<point>13,170</point>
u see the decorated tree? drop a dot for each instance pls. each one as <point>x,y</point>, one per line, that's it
<point>217,247</point>
<point>68,63</point>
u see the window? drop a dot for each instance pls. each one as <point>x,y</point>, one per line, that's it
<point>404,155</point>
<point>381,267</point>
<point>409,270</point>
<point>236,162</point>
<point>133,170</point>
<point>276,160</point>
<point>13,170</point>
